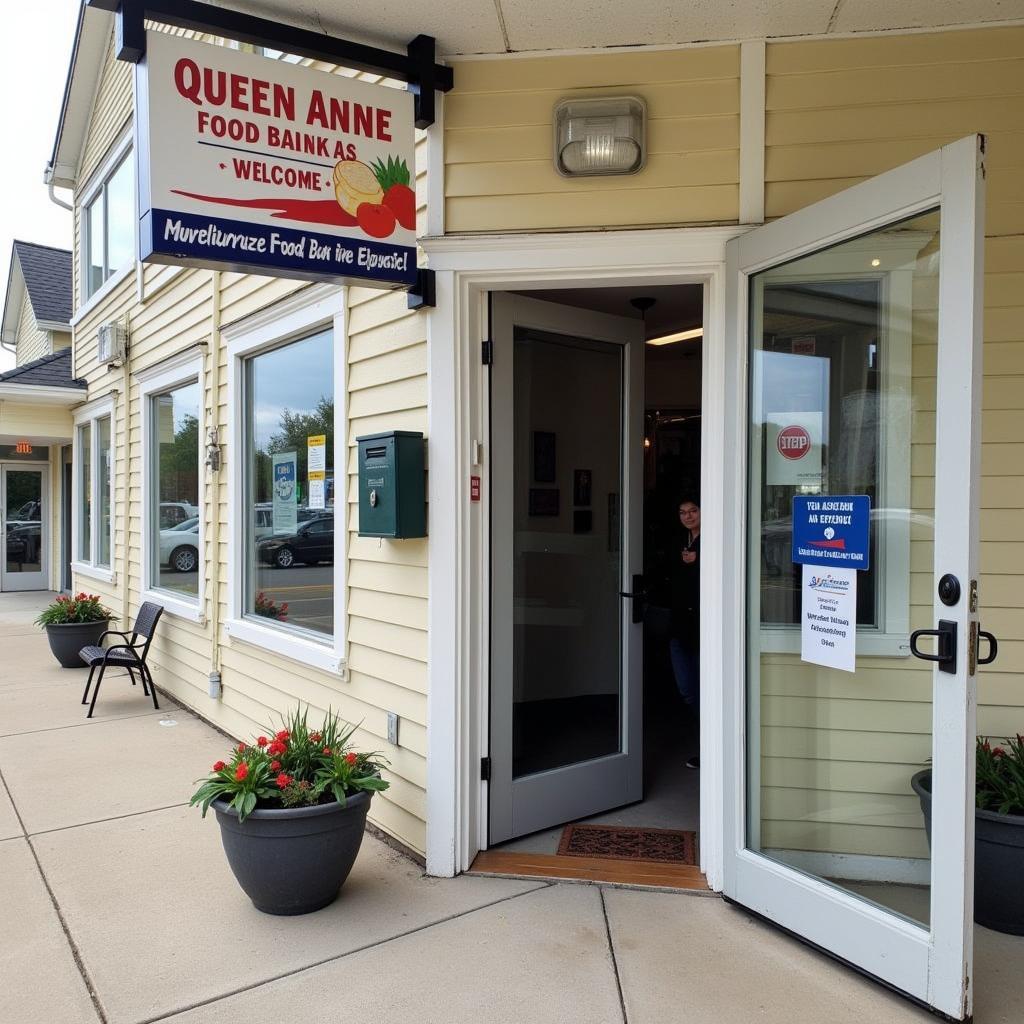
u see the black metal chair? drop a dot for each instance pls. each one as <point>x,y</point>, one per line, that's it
<point>130,655</point>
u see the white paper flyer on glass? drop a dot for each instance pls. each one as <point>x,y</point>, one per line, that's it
<point>828,627</point>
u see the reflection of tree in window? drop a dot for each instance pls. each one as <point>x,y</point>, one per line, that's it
<point>292,435</point>
<point>179,470</point>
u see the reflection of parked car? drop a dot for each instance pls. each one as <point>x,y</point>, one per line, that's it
<point>312,542</point>
<point>173,513</point>
<point>179,546</point>
<point>23,542</point>
<point>263,518</point>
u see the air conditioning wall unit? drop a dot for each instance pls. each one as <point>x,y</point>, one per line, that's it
<point>113,343</point>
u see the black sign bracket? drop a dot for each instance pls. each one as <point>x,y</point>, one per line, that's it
<point>417,67</point>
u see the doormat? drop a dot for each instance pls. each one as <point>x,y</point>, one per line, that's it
<point>622,843</point>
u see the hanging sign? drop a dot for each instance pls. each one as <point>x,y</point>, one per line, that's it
<point>832,530</point>
<point>794,449</point>
<point>258,165</point>
<point>828,611</point>
<point>285,493</point>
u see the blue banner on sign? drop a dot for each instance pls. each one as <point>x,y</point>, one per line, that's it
<point>832,529</point>
<point>306,254</point>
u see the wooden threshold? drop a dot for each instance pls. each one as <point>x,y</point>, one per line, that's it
<point>590,869</point>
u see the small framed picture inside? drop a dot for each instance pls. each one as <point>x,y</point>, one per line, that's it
<point>543,501</point>
<point>544,456</point>
<point>581,479</point>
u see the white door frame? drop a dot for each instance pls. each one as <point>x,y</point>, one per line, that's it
<point>45,470</point>
<point>467,269</point>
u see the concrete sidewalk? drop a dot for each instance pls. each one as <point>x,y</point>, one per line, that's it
<point>119,907</point>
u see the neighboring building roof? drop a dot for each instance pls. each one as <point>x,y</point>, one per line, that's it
<point>47,273</point>
<point>46,372</point>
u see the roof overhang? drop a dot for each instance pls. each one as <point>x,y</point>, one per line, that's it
<point>12,301</point>
<point>36,394</point>
<point>91,36</point>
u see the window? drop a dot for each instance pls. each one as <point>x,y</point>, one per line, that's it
<point>286,561</point>
<point>289,422</point>
<point>173,439</point>
<point>108,219</point>
<point>94,486</point>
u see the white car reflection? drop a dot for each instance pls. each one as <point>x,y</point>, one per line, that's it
<point>179,546</point>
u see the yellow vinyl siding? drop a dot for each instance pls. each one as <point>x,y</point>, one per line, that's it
<point>386,613</point>
<point>499,174</point>
<point>836,113</point>
<point>31,341</point>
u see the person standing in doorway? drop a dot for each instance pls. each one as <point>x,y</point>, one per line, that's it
<point>684,647</point>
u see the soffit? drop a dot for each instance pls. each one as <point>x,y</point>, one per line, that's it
<point>498,26</point>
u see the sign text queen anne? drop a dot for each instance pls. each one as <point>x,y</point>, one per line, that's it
<point>252,164</point>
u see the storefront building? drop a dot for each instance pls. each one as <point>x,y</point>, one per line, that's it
<point>773,295</point>
<point>36,398</point>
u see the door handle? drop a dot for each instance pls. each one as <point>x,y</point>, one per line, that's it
<point>945,648</point>
<point>993,647</point>
<point>638,596</point>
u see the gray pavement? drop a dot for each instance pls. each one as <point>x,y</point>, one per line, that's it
<point>120,908</point>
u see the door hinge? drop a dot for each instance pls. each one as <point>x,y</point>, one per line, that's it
<point>487,352</point>
<point>485,769</point>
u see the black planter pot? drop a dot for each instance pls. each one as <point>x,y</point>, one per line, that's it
<point>998,862</point>
<point>68,638</point>
<point>293,860</point>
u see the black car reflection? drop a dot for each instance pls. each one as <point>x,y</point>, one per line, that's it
<point>311,543</point>
<point>23,542</point>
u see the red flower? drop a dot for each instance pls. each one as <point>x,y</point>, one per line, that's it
<point>241,772</point>
<point>241,748</point>
<point>284,735</point>
<point>283,780</point>
<point>275,748</point>
<point>327,751</point>
<point>275,766</point>
<point>315,737</point>
<point>350,758</point>
<point>999,752</point>
<point>219,766</point>
<point>262,741</point>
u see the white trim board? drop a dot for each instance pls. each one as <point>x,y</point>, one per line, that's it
<point>302,313</point>
<point>467,269</point>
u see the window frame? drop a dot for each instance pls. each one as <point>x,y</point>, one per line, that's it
<point>176,372</point>
<point>308,311</point>
<point>90,415</point>
<point>122,150</point>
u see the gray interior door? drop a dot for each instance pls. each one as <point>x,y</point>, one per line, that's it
<point>566,482</point>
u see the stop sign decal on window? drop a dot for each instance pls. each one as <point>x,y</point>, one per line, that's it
<point>793,442</point>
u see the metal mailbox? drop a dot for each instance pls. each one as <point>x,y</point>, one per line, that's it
<point>392,487</point>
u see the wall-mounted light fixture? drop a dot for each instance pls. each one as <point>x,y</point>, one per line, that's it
<point>600,136</point>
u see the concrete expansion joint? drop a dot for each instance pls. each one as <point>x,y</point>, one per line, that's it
<point>340,956</point>
<point>611,953</point>
<point>73,946</point>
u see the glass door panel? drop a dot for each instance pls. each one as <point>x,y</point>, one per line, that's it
<point>843,357</point>
<point>567,478</point>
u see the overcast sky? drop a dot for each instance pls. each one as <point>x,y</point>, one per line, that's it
<point>35,49</point>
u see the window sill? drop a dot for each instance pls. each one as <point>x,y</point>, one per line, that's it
<point>306,652</point>
<point>94,572</point>
<point>176,606</point>
<point>102,292</point>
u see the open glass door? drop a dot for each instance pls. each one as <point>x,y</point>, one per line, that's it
<point>858,322</point>
<point>566,540</point>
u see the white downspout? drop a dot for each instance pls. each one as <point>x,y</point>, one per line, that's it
<point>213,572</point>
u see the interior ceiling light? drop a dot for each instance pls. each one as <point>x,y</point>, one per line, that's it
<point>600,136</point>
<point>669,339</point>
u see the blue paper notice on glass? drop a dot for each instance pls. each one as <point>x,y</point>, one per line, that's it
<point>832,529</point>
